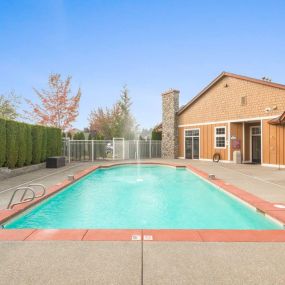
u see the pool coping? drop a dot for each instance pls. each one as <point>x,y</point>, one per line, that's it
<point>193,235</point>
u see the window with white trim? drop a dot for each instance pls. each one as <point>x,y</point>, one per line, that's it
<point>220,137</point>
<point>192,133</point>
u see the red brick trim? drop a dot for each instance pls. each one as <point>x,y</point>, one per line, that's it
<point>149,235</point>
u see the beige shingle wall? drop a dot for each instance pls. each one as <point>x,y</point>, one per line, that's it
<point>221,103</point>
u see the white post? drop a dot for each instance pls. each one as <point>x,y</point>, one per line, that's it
<point>229,141</point>
<point>137,149</point>
<point>149,148</point>
<point>123,149</point>
<point>243,142</point>
<point>92,150</point>
<point>113,149</point>
<point>261,141</point>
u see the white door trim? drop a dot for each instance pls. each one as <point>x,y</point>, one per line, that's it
<point>193,129</point>
<point>243,142</point>
<point>250,139</point>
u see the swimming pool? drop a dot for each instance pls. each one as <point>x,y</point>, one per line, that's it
<point>142,197</point>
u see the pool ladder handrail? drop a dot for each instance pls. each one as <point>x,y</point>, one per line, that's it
<point>26,189</point>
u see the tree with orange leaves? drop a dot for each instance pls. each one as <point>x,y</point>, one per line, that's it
<point>57,108</point>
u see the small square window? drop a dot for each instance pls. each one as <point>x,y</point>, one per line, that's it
<point>220,131</point>
<point>191,133</point>
<point>243,100</point>
<point>256,131</point>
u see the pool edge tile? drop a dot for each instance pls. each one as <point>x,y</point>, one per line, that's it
<point>173,235</point>
<point>242,235</point>
<point>15,234</point>
<point>111,235</point>
<point>55,234</point>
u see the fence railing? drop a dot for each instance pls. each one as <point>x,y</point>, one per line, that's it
<point>90,150</point>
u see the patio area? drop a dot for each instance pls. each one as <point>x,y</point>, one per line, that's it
<point>148,262</point>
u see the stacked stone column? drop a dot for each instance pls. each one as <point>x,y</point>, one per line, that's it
<point>170,106</point>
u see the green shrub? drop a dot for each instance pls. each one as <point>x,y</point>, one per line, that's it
<point>79,136</point>
<point>29,145</point>
<point>21,143</point>
<point>51,142</point>
<point>37,135</point>
<point>156,136</point>
<point>44,144</point>
<point>54,142</point>
<point>58,142</point>
<point>2,142</point>
<point>11,144</point>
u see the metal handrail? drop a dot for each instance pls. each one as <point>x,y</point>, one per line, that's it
<point>10,205</point>
<point>39,185</point>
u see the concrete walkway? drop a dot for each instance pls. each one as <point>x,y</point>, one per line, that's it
<point>63,262</point>
<point>265,182</point>
<point>121,263</point>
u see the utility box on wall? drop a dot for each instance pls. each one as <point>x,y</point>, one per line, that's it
<point>237,156</point>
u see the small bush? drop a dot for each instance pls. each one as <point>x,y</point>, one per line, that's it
<point>156,136</point>
<point>54,142</point>
<point>58,142</point>
<point>79,136</point>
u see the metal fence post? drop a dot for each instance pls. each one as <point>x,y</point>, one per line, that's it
<point>138,149</point>
<point>149,148</point>
<point>113,148</point>
<point>123,149</point>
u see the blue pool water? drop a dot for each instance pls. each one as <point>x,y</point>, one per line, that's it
<point>132,196</point>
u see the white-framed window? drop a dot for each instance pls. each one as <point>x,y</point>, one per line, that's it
<point>255,131</point>
<point>220,137</point>
<point>192,133</point>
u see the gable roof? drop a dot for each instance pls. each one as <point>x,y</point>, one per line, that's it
<point>228,74</point>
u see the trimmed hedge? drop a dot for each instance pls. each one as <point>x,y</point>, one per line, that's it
<point>37,137</point>
<point>12,147</point>
<point>44,145</point>
<point>2,142</point>
<point>29,146</point>
<point>23,144</point>
<point>22,149</point>
<point>54,140</point>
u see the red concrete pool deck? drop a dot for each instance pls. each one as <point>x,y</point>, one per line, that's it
<point>145,235</point>
<point>149,235</point>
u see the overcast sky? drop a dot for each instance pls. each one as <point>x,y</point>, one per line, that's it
<point>149,45</point>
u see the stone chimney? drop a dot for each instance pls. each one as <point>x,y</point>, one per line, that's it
<point>170,106</point>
